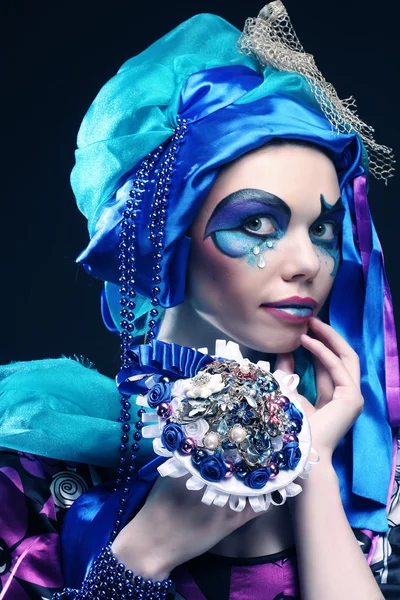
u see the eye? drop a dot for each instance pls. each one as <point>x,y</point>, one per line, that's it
<point>259,225</point>
<point>324,231</point>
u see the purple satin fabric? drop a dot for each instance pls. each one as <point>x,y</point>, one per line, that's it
<point>213,577</point>
<point>364,233</point>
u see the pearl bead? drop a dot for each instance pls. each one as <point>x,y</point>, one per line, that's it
<point>211,440</point>
<point>274,470</point>
<point>295,426</point>
<point>245,369</point>
<point>230,469</point>
<point>280,459</point>
<point>163,409</point>
<point>237,434</point>
<point>241,470</point>
<point>290,437</point>
<point>198,456</point>
<point>188,445</point>
<point>282,401</point>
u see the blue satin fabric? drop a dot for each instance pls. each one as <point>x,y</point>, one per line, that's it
<point>220,130</point>
<point>168,360</point>
<point>363,459</point>
<point>87,525</point>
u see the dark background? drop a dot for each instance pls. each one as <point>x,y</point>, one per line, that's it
<point>58,55</point>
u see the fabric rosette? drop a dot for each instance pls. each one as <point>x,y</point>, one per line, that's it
<point>235,427</point>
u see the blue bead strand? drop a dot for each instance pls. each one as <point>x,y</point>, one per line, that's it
<point>108,579</point>
<point>158,218</point>
<point>126,468</point>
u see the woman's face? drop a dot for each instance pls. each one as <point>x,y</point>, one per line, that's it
<point>265,246</point>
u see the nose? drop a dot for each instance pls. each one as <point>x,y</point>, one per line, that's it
<point>300,260</point>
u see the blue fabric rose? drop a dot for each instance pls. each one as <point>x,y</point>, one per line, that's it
<point>171,436</point>
<point>212,468</point>
<point>160,392</point>
<point>293,454</point>
<point>258,478</point>
<point>293,413</point>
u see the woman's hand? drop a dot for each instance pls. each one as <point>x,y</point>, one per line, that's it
<point>339,399</point>
<point>330,562</point>
<point>172,527</point>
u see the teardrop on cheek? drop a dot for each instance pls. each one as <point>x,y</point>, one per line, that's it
<point>261,261</point>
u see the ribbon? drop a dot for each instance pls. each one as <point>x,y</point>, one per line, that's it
<point>365,239</point>
<point>169,360</point>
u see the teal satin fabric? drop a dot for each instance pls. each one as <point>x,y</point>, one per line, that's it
<point>59,408</point>
<point>133,113</point>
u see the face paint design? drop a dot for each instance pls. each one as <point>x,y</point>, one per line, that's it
<point>325,231</point>
<point>247,222</point>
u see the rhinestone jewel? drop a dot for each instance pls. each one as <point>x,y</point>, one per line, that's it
<point>261,261</point>
<point>200,379</point>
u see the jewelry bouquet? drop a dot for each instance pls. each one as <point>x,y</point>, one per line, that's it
<point>235,427</point>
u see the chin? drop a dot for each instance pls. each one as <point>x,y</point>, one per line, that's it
<point>280,345</point>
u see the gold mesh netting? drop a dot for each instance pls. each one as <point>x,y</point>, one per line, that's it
<point>270,37</point>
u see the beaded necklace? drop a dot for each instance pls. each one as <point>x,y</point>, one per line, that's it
<point>107,577</point>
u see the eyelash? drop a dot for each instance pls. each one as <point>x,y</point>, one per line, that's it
<point>334,230</point>
<point>255,232</point>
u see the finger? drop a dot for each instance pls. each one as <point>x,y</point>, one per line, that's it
<point>324,383</point>
<point>285,362</point>
<point>306,405</point>
<point>334,341</point>
<point>333,363</point>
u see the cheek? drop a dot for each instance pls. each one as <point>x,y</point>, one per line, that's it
<point>330,259</point>
<point>216,281</point>
<point>233,243</point>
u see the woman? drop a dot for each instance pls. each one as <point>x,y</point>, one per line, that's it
<point>242,259</point>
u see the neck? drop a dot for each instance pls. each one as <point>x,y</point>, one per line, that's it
<point>183,325</point>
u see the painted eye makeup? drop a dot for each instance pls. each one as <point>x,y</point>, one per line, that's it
<point>245,205</point>
<point>325,231</point>
<point>249,221</point>
<point>245,218</point>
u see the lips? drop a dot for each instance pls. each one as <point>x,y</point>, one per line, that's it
<point>294,309</point>
<point>293,302</point>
